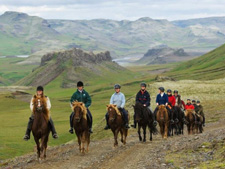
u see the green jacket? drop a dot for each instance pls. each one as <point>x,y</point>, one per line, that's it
<point>81,97</point>
<point>199,110</point>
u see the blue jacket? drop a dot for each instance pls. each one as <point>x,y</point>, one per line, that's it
<point>118,99</point>
<point>162,99</point>
<point>143,98</point>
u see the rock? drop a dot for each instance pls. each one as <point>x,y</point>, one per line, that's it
<point>163,78</point>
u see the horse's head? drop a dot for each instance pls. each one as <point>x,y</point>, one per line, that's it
<point>138,109</point>
<point>79,111</point>
<point>112,111</point>
<point>39,103</point>
<point>162,112</point>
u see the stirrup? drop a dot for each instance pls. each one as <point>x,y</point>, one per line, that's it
<point>106,127</point>
<point>154,123</point>
<point>55,136</point>
<point>71,130</point>
<point>90,130</point>
<point>133,125</point>
<point>26,137</point>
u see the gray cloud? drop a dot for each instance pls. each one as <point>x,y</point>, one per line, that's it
<point>117,9</point>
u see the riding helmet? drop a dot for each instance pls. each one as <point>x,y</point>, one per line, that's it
<point>193,101</point>
<point>80,84</point>
<point>143,84</point>
<point>188,99</point>
<point>117,86</point>
<point>198,101</point>
<point>169,91</point>
<point>175,91</point>
<point>40,88</point>
<point>161,89</point>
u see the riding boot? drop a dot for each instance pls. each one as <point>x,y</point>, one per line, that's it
<point>71,123</point>
<point>29,126</point>
<point>107,121</point>
<point>170,115</point>
<point>52,127</point>
<point>89,120</point>
<point>135,123</point>
<point>125,115</point>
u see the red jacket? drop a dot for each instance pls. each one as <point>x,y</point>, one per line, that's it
<point>189,106</point>
<point>172,100</point>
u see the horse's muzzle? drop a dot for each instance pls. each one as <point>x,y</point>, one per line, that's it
<point>77,119</point>
<point>111,119</point>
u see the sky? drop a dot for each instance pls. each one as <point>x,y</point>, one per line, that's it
<point>116,9</point>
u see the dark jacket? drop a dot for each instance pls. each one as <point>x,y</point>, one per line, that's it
<point>199,110</point>
<point>162,100</point>
<point>81,97</point>
<point>143,98</point>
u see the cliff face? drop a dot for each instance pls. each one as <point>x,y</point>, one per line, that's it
<point>69,64</point>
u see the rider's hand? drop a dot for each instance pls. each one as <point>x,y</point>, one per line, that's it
<point>144,104</point>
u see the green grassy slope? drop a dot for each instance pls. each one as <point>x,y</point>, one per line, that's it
<point>208,66</point>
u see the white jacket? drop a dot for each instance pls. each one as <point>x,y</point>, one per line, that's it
<point>48,104</point>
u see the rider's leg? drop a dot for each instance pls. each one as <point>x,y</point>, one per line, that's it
<point>107,121</point>
<point>71,123</point>
<point>29,126</point>
<point>125,115</point>
<point>170,114</point>
<point>90,121</point>
<point>52,127</point>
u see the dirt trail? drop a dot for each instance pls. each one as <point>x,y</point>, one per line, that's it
<point>135,154</point>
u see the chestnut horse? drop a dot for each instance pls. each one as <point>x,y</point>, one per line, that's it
<point>81,126</point>
<point>40,127</point>
<point>190,118</point>
<point>144,119</point>
<point>116,123</point>
<point>163,120</point>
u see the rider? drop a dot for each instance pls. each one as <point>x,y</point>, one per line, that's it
<point>171,101</point>
<point>118,99</point>
<point>189,105</point>
<point>39,92</point>
<point>144,98</point>
<point>194,104</point>
<point>178,102</point>
<point>81,96</point>
<point>200,111</point>
<point>162,99</point>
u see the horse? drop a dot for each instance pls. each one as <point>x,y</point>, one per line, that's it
<point>190,118</point>
<point>80,125</point>
<point>178,116</point>
<point>116,124</point>
<point>40,127</point>
<point>143,118</point>
<point>173,126</point>
<point>198,123</point>
<point>163,120</point>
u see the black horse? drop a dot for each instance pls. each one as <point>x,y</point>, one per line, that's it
<point>178,121</point>
<point>144,118</point>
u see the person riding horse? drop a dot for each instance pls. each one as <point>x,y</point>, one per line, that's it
<point>194,104</point>
<point>81,96</point>
<point>39,92</point>
<point>171,102</point>
<point>118,99</point>
<point>162,99</point>
<point>199,110</point>
<point>144,98</point>
<point>180,103</point>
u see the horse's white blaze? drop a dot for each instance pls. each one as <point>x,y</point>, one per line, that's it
<point>39,103</point>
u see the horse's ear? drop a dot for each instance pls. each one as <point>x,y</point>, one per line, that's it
<point>114,105</point>
<point>107,105</point>
<point>35,96</point>
<point>81,104</point>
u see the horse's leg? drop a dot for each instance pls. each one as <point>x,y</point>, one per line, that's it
<point>83,139</point>
<point>144,132</point>
<point>87,141</point>
<point>161,129</point>
<point>115,137</point>
<point>166,130</point>
<point>150,132</point>
<point>121,133</point>
<point>45,145</point>
<point>125,136</point>
<point>79,140</point>
<point>38,147</point>
<point>139,132</point>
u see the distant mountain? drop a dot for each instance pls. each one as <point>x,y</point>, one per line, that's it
<point>208,66</point>
<point>24,34</point>
<point>163,55</point>
<point>70,66</point>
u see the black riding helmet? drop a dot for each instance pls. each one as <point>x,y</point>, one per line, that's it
<point>175,91</point>
<point>40,88</point>
<point>198,101</point>
<point>117,86</point>
<point>80,84</point>
<point>169,91</point>
<point>161,89</point>
<point>193,101</point>
<point>143,84</point>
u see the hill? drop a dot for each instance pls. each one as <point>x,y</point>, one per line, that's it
<point>24,34</point>
<point>162,55</point>
<point>71,66</point>
<point>208,66</point>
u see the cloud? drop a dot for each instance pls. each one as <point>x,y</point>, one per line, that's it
<point>117,9</point>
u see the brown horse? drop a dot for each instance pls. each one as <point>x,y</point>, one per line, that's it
<point>163,120</point>
<point>198,123</point>
<point>81,126</point>
<point>116,124</point>
<point>144,118</point>
<point>190,118</point>
<point>40,127</point>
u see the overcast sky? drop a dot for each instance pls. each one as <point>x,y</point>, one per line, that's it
<point>116,9</point>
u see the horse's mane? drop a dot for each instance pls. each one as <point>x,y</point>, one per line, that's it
<point>82,107</point>
<point>189,111</point>
<point>113,106</point>
<point>162,107</point>
<point>44,110</point>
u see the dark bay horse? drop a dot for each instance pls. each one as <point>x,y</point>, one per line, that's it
<point>178,125</point>
<point>163,119</point>
<point>116,124</point>
<point>143,116</point>
<point>190,118</point>
<point>40,127</point>
<point>81,126</point>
